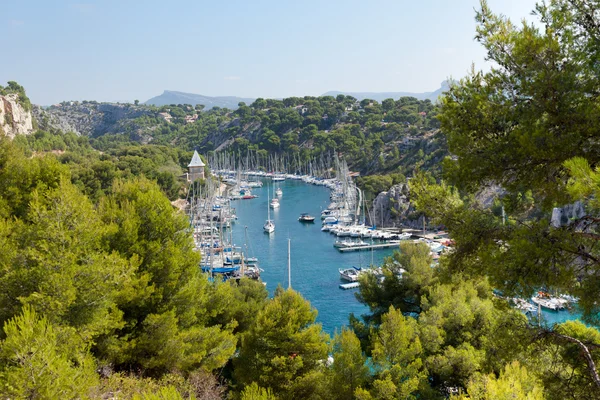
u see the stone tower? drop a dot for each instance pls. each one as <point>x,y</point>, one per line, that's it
<point>196,168</point>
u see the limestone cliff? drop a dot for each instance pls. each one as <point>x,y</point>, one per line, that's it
<point>393,208</point>
<point>14,119</point>
<point>91,118</point>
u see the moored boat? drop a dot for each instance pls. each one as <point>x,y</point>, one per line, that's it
<point>350,274</point>
<point>269,226</point>
<point>549,302</point>
<point>304,217</point>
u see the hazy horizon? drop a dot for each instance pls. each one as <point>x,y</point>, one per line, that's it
<point>114,51</point>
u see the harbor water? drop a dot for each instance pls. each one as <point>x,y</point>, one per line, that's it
<point>315,263</point>
<point>314,260</point>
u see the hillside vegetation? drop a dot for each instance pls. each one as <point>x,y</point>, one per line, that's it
<point>394,135</point>
<point>101,295</point>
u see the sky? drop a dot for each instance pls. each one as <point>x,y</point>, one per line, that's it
<point>119,50</point>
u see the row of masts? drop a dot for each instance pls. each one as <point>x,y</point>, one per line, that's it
<point>254,160</point>
<point>211,217</point>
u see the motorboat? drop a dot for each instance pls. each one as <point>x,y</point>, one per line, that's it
<point>278,192</point>
<point>549,302</point>
<point>274,203</point>
<point>330,221</point>
<point>304,217</point>
<point>350,274</point>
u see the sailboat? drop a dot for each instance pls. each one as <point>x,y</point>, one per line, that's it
<point>278,192</point>
<point>274,202</point>
<point>269,226</point>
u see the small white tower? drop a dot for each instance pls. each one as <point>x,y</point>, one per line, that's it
<point>196,168</point>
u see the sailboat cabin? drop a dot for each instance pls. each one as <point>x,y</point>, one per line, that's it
<point>195,168</point>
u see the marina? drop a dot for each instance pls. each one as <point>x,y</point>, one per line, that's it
<point>315,263</point>
<point>229,224</point>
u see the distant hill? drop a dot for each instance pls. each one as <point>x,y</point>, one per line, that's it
<point>172,97</point>
<point>379,96</point>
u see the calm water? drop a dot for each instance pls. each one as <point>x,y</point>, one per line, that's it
<point>315,262</point>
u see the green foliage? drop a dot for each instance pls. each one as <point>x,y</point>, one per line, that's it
<point>372,185</point>
<point>14,88</point>
<point>164,393</point>
<point>41,361</point>
<point>236,304</point>
<point>515,382</point>
<point>283,347</point>
<point>195,385</point>
<point>526,126</point>
<point>397,358</point>
<point>399,290</point>
<point>255,392</point>
<point>518,123</point>
<point>19,176</point>
<point>60,268</point>
<point>166,313</point>
<point>349,368</point>
<point>459,330</point>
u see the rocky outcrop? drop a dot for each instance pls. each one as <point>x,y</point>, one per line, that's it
<point>562,216</point>
<point>394,209</point>
<point>14,119</point>
<point>91,118</point>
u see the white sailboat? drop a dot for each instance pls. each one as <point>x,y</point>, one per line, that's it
<point>278,192</point>
<point>274,202</point>
<point>269,226</point>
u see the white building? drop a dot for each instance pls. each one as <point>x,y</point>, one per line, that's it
<point>195,168</point>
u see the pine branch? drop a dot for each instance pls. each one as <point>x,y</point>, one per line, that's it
<point>585,351</point>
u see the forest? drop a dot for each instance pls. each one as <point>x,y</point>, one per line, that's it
<point>101,295</point>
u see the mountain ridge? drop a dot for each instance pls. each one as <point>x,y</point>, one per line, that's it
<point>176,97</point>
<point>380,96</point>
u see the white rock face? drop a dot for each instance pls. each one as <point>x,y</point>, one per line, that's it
<point>393,208</point>
<point>563,216</point>
<point>14,120</point>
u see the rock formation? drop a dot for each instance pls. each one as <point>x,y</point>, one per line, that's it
<point>91,118</point>
<point>562,216</point>
<point>394,209</point>
<point>14,119</point>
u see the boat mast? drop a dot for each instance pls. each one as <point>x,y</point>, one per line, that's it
<point>268,207</point>
<point>289,266</point>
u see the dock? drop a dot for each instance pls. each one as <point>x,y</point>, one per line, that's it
<point>369,247</point>
<point>347,286</point>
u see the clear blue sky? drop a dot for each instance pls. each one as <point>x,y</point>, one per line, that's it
<point>120,50</point>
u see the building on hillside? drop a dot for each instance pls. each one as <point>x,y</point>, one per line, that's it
<point>195,168</point>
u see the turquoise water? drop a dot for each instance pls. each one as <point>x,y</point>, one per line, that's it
<point>315,262</point>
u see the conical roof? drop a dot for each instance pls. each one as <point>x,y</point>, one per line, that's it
<point>196,161</point>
